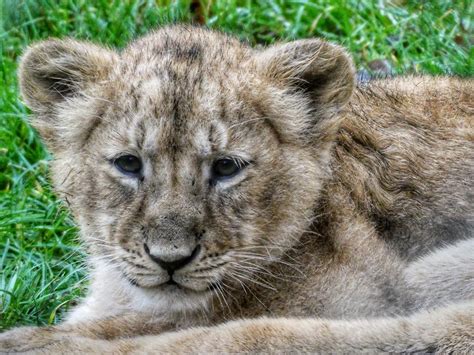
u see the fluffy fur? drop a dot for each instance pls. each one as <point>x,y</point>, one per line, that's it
<point>349,228</point>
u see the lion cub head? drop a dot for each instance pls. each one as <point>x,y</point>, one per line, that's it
<point>189,159</point>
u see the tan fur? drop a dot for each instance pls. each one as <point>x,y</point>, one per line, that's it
<point>332,238</point>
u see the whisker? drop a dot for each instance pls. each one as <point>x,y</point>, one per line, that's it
<point>247,278</point>
<point>250,290</point>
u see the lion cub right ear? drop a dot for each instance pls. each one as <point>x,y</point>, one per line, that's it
<point>55,72</point>
<point>321,72</point>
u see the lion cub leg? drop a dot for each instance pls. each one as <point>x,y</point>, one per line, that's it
<point>449,329</point>
<point>91,333</point>
<point>442,277</point>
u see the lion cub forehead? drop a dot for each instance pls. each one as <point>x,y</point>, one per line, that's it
<point>158,136</point>
<point>157,115</point>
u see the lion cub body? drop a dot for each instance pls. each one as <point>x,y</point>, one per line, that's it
<point>348,200</point>
<point>390,199</point>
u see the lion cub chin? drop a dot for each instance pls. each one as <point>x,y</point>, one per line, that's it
<point>256,197</point>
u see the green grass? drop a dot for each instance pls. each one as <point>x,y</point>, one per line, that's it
<point>41,265</point>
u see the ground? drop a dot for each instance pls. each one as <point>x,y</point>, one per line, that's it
<point>42,271</point>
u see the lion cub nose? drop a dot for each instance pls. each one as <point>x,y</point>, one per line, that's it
<point>171,262</point>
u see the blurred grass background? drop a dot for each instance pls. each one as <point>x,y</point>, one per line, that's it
<point>42,270</point>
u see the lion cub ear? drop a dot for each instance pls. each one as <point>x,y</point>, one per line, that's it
<point>52,75</point>
<point>54,70</point>
<point>323,72</point>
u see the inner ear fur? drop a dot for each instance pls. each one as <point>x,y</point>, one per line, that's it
<point>322,71</point>
<point>54,70</point>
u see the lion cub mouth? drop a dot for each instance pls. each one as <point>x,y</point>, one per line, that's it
<point>171,285</point>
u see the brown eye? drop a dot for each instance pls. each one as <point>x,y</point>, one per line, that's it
<point>128,164</point>
<point>226,168</point>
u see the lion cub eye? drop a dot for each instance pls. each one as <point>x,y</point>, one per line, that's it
<point>128,164</point>
<point>227,167</point>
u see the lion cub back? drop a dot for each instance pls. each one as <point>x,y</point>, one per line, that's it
<point>406,152</point>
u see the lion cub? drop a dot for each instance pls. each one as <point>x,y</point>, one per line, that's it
<point>241,200</point>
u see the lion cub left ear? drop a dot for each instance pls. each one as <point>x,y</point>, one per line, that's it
<point>52,75</point>
<point>318,71</point>
<point>55,70</point>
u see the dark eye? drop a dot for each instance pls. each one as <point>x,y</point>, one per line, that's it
<point>224,168</point>
<point>128,164</point>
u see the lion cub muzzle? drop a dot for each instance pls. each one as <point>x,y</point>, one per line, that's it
<point>172,242</point>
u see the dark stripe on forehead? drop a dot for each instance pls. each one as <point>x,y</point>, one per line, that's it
<point>182,99</point>
<point>96,122</point>
<point>173,142</point>
<point>213,131</point>
<point>140,134</point>
<point>212,138</point>
<point>180,49</point>
<point>184,85</point>
<point>274,130</point>
<point>182,92</point>
<point>222,101</point>
<point>261,113</point>
<point>187,53</point>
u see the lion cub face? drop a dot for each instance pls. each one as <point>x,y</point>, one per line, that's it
<point>189,160</point>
